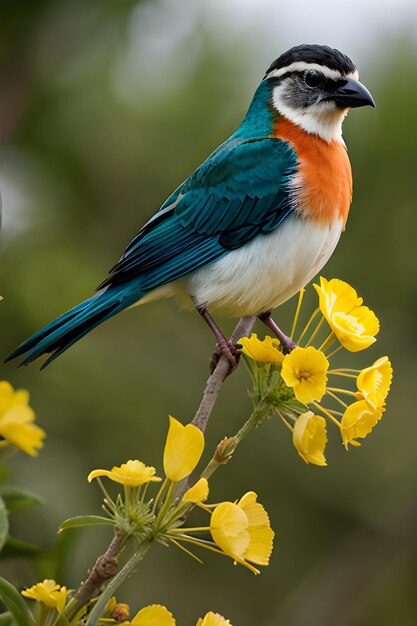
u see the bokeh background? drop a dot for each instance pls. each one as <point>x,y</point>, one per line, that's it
<point>105,106</point>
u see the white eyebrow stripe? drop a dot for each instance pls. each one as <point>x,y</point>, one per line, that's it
<point>302,66</point>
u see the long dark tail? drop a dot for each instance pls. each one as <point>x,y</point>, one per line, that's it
<point>67,329</point>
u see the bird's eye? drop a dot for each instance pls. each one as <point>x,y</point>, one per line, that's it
<point>313,78</point>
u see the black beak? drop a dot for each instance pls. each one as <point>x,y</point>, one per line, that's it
<point>351,93</point>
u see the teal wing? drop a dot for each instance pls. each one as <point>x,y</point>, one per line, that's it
<point>242,190</point>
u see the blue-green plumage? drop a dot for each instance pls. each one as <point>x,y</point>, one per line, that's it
<point>240,191</point>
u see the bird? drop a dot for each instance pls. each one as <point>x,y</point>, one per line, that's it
<point>254,223</point>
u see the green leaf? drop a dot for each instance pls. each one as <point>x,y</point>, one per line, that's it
<point>4,523</point>
<point>85,520</point>
<point>17,499</point>
<point>14,603</point>
<point>17,548</point>
<point>7,619</point>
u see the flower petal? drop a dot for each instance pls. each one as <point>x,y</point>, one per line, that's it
<point>358,421</point>
<point>305,370</point>
<point>228,527</point>
<point>255,512</point>
<point>374,382</point>
<point>153,615</point>
<point>131,474</point>
<point>183,449</point>
<point>262,351</point>
<point>24,436</point>
<point>213,619</point>
<point>260,546</point>
<point>354,325</point>
<point>198,492</point>
<point>310,438</point>
<point>48,593</point>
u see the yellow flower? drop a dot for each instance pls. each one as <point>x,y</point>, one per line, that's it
<point>354,325</point>
<point>265,351</point>
<point>49,593</point>
<point>213,619</point>
<point>374,382</point>
<point>198,492</point>
<point>358,421</point>
<point>310,438</point>
<point>305,369</point>
<point>154,615</point>
<point>16,420</point>
<point>183,449</point>
<point>243,531</point>
<point>131,474</point>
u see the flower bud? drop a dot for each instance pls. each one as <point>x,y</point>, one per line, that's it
<point>225,449</point>
<point>121,612</point>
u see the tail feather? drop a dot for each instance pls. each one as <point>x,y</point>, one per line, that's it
<point>67,329</point>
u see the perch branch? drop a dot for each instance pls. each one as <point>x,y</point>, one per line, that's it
<point>216,380</point>
<point>102,571</point>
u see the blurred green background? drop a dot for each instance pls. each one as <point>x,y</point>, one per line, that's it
<point>105,106</point>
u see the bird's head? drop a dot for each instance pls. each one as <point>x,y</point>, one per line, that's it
<point>314,86</point>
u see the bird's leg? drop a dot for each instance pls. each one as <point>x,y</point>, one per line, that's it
<point>287,343</point>
<point>223,346</point>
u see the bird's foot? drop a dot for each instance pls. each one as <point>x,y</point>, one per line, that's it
<point>288,345</point>
<point>230,350</point>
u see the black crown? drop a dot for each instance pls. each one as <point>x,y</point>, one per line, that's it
<point>314,53</point>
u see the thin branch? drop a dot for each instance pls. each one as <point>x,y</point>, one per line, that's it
<point>102,571</point>
<point>212,390</point>
<point>216,380</point>
<point>105,568</point>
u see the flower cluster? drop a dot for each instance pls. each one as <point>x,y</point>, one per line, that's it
<point>156,614</point>
<point>52,596</point>
<point>17,418</point>
<point>293,385</point>
<point>240,530</point>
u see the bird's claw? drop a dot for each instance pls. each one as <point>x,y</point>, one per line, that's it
<point>288,345</point>
<point>231,351</point>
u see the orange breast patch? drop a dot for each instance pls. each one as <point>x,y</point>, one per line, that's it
<point>325,192</point>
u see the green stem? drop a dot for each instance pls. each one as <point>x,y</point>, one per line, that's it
<point>256,416</point>
<point>165,506</point>
<point>126,571</point>
<point>159,494</point>
<point>210,469</point>
<point>43,613</point>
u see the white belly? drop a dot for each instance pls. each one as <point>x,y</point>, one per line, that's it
<point>265,272</point>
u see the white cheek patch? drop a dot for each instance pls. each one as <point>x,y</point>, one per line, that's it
<point>323,118</point>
